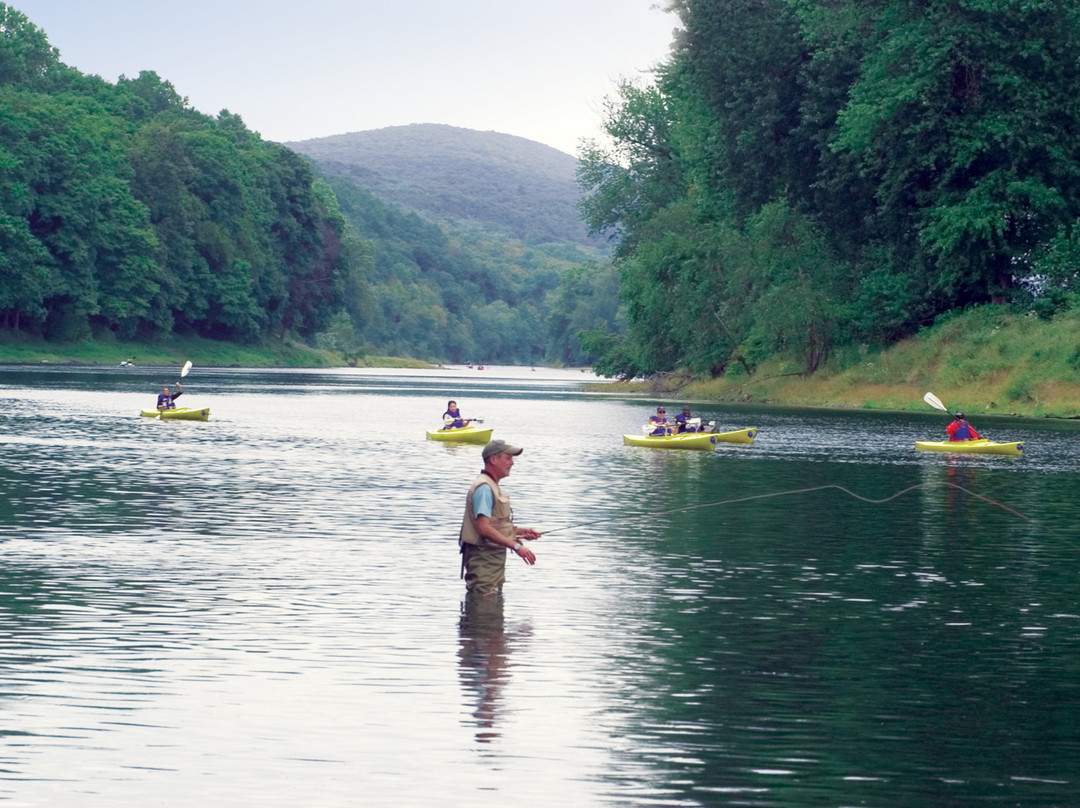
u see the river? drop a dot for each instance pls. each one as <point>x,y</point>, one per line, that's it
<point>264,609</point>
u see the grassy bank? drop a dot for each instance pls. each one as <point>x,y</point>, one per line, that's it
<point>14,349</point>
<point>990,359</point>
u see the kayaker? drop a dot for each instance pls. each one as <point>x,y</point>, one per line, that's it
<point>960,429</point>
<point>165,399</point>
<point>487,529</point>
<point>452,417</point>
<point>683,420</point>
<point>660,421</point>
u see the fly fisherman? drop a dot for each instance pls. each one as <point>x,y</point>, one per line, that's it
<point>487,529</point>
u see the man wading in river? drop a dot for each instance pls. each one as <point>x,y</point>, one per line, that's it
<point>487,530</point>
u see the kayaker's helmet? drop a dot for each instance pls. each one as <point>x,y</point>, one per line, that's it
<point>960,416</point>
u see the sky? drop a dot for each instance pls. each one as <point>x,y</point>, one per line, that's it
<point>539,69</point>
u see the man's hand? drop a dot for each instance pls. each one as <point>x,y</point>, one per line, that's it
<point>525,554</point>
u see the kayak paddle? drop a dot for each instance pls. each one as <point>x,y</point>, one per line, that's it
<point>935,402</point>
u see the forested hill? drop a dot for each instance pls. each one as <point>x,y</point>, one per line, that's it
<point>810,177</point>
<point>126,215</point>
<point>507,184</point>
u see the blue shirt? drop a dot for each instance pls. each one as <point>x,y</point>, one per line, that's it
<point>483,500</point>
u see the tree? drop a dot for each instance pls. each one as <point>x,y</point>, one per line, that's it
<point>966,117</point>
<point>26,57</point>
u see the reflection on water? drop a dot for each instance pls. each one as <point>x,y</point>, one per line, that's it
<point>485,660</point>
<point>265,609</point>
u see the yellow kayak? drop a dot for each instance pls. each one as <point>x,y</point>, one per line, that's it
<point>179,414</point>
<point>1015,449</point>
<point>738,436</point>
<point>691,440</point>
<point>467,434</point>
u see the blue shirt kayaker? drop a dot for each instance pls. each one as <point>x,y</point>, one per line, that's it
<point>165,399</point>
<point>683,419</point>
<point>452,417</point>
<point>660,421</point>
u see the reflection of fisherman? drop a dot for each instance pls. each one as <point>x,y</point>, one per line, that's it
<point>484,655</point>
<point>487,529</point>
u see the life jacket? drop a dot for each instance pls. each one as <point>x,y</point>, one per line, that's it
<point>457,422</point>
<point>961,431</point>
<point>501,515</point>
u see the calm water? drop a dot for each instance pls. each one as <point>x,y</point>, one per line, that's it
<point>265,609</point>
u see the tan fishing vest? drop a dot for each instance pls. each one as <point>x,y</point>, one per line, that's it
<point>501,515</point>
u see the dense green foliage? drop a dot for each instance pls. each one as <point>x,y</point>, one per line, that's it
<point>437,290</point>
<point>804,174</point>
<point>127,215</point>
<point>123,211</point>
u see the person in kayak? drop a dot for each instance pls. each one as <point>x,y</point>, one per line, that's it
<point>165,399</point>
<point>660,421</point>
<point>683,421</point>
<point>960,429</point>
<point>452,417</point>
<point>487,528</point>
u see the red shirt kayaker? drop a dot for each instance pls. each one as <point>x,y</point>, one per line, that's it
<point>960,429</point>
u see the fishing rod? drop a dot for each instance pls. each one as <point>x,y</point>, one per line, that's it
<point>652,514</point>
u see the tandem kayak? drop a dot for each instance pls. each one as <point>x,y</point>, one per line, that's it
<point>179,414</point>
<point>691,440</point>
<point>467,434</point>
<point>1015,449</point>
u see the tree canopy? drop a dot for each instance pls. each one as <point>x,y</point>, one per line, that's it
<point>806,173</point>
<point>126,214</point>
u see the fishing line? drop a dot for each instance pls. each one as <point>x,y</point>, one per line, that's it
<point>788,493</point>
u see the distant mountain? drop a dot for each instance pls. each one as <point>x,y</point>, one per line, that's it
<point>506,184</point>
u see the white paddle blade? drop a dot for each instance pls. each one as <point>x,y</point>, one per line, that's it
<point>187,367</point>
<point>935,402</point>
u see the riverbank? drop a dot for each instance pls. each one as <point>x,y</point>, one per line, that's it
<point>987,360</point>
<point>208,353</point>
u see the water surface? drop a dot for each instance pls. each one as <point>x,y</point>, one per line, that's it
<point>265,609</point>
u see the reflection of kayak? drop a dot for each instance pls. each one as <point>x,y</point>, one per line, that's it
<point>467,434</point>
<point>691,440</point>
<point>1015,448</point>
<point>179,414</point>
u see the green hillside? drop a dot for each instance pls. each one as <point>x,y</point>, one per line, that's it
<point>506,184</point>
<point>128,218</point>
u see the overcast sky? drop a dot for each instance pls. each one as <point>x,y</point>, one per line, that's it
<point>298,70</point>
